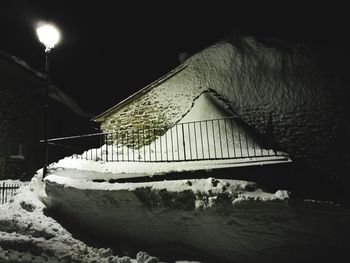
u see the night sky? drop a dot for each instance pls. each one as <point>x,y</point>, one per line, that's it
<point>111,49</point>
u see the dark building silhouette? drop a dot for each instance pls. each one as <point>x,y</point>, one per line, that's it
<point>22,96</point>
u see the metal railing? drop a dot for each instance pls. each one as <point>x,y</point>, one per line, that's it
<point>6,191</point>
<point>215,139</point>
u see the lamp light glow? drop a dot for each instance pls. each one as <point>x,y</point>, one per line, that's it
<point>48,35</point>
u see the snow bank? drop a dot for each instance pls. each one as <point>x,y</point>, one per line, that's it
<point>28,235</point>
<point>233,220</point>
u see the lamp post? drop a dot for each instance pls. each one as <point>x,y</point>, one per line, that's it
<point>49,36</point>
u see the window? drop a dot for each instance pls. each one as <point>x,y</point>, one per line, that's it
<point>16,151</point>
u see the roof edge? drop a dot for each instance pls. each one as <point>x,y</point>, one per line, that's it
<point>101,117</point>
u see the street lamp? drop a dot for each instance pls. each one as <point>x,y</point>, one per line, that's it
<point>49,36</point>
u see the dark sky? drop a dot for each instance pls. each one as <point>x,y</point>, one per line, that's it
<point>110,49</point>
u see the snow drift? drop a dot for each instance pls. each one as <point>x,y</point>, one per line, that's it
<point>233,220</point>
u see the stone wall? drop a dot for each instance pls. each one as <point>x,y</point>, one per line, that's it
<point>154,112</point>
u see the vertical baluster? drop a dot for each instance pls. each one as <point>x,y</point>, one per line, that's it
<point>172,142</point>
<point>233,138</point>
<point>189,139</point>
<point>138,146</point>
<point>228,149</point>
<point>117,144</point>
<point>122,145</point>
<point>166,143</point>
<point>195,140</point>
<point>160,145</point>
<point>239,138</point>
<point>149,145</point>
<point>155,143</point>
<point>3,193</point>
<point>246,141</point>
<point>222,155</point>
<point>207,131</point>
<point>200,129</point>
<point>212,127</point>
<point>183,140</point>
<point>144,142</point>
<point>254,146</point>
<point>177,139</point>
<point>106,143</point>
<point>127,144</point>
<point>133,144</point>
<point>113,135</point>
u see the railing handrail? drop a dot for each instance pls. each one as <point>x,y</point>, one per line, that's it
<point>106,133</point>
<point>75,136</point>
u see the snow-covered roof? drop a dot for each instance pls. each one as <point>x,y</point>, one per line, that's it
<point>243,71</point>
<point>55,93</point>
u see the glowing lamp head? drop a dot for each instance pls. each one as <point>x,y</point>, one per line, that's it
<point>48,35</point>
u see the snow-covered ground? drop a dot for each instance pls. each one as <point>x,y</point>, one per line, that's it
<point>28,235</point>
<point>230,220</point>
